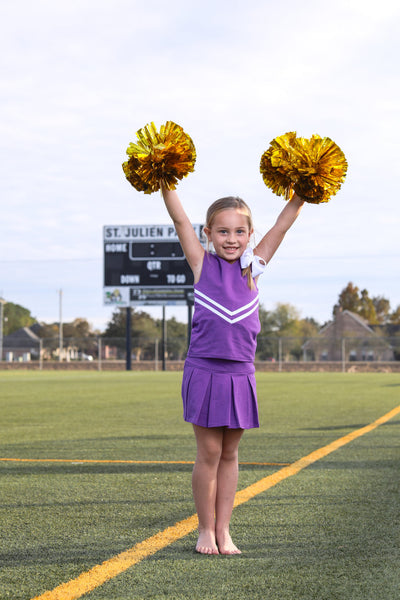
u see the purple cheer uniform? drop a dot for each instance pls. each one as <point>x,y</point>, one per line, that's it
<point>219,387</point>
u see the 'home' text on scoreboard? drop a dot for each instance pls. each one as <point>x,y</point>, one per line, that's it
<point>145,264</point>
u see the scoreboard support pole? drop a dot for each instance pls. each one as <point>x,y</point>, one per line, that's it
<point>128,339</point>
<point>164,339</point>
<point>189,327</point>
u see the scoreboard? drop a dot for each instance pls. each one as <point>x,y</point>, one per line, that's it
<point>144,265</point>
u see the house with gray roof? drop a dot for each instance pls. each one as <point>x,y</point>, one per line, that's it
<point>348,336</point>
<point>21,345</point>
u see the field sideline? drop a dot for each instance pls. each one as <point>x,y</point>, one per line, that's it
<point>103,463</point>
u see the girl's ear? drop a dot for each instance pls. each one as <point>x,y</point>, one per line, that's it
<point>207,231</point>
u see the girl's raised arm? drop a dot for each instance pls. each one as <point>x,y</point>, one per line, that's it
<point>193,250</point>
<point>272,240</point>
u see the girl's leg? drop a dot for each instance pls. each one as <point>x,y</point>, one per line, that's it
<point>204,484</point>
<point>227,478</point>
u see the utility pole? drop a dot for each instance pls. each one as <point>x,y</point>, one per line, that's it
<point>60,329</point>
<point>2,303</point>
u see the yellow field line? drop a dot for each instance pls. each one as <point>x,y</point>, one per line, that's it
<point>78,461</point>
<point>88,581</point>
<point>296,467</point>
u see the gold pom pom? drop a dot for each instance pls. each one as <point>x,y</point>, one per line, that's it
<point>314,168</point>
<point>167,156</point>
<point>277,165</point>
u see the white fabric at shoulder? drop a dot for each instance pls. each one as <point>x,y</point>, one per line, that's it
<point>257,263</point>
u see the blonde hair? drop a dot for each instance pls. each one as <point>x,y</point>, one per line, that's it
<point>233,203</point>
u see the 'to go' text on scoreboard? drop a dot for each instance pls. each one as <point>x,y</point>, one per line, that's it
<point>145,264</point>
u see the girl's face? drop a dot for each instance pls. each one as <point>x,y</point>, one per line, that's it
<point>229,234</point>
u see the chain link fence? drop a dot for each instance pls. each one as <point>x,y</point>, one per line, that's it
<point>154,353</point>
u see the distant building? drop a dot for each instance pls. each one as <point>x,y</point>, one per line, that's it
<point>351,334</point>
<point>24,345</point>
<point>21,345</point>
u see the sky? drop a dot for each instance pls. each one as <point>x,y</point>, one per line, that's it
<point>80,77</point>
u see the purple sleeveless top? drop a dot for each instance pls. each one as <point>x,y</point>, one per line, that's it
<point>225,320</point>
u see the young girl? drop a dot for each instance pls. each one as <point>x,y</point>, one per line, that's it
<point>218,388</point>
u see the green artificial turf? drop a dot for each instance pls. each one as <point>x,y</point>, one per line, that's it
<point>329,532</point>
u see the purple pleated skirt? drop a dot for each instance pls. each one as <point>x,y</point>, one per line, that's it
<point>219,393</point>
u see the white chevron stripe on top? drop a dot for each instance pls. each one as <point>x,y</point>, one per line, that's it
<point>223,308</point>
<point>222,316</point>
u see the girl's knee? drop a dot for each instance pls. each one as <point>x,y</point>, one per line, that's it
<point>230,454</point>
<point>209,453</point>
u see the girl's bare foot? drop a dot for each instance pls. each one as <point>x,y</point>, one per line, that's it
<point>225,544</point>
<point>206,543</point>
